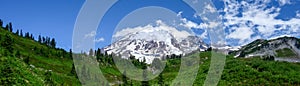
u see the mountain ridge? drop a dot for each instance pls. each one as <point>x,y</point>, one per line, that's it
<point>272,47</point>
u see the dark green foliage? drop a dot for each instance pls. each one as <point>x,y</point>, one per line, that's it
<point>14,72</point>
<point>124,78</point>
<point>26,60</point>
<point>161,79</point>
<point>269,58</point>
<point>27,35</point>
<point>21,33</point>
<point>53,43</point>
<point>286,52</point>
<point>6,27</point>
<point>209,49</point>
<point>145,82</point>
<point>18,54</point>
<point>7,43</point>
<point>23,61</point>
<point>10,29</point>
<point>40,39</point>
<point>48,80</point>
<point>1,23</point>
<point>17,32</point>
<point>31,37</point>
<point>91,52</point>
<point>99,55</point>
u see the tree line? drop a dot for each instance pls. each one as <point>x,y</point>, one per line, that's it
<point>41,39</point>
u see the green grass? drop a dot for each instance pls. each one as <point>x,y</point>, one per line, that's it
<point>41,56</point>
<point>251,71</point>
<point>285,52</point>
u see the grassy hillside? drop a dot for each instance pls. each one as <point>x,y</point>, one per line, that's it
<point>285,52</point>
<point>24,61</point>
<point>237,71</point>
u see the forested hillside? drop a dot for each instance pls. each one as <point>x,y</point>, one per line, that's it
<point>28,60</point>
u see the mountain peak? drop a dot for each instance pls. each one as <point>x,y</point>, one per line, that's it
<point>154,43</point>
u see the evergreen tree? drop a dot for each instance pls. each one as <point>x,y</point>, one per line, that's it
<point>6,27</point>
<point>91,52</point>
<point>124,78</point>
<point>17,32</point>
<point>44,40</point>
<point>99,55</point>
<point>1,23</point>
<point>53,43</point>
<point>48,79</point>
<point>144,66</point>
<point>40,39</point>
<point>160,80</point>
<point>145,83</point>
<point>26,60</point>
<point>73,71</point>
<point>27,35</point>
<point>48,41</point>
<point>31,37</point>
<point>10,27</point>
<point>18,54</point>
<point>21,33</point>
<point>71,53</point>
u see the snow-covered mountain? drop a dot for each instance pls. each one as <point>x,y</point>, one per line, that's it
<point>155,43</point>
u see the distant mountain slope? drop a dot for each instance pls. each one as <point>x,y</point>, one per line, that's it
<point>280,47</point>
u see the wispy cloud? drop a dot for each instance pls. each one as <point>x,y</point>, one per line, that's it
<point>90,35</point>
<point>257,20</point>
<point>101,39</point>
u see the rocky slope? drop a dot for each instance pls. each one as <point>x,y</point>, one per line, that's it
<point>288,47</point>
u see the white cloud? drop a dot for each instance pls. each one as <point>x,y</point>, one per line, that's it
<point>101,39</point>
<point>195,1</point>
<point>90,35</point>
<point>256,16</point>
<point>160,25</point>
<point>179,14</point>
<point>213,24</point>
<point>283,2</point>
<point>242,33</point>
<point>210,8</point>
<point>298,14</point>
<point>189,24</point>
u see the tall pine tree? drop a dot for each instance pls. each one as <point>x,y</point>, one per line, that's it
<point>53,43</point>
<point>40,39</point>
<point>124,78</point>
<point>161,80</point>
<point>17,32</point>
<point>10,27</point>
<point>6,27</point>
<point>21,33</point>
<point>1,23</point>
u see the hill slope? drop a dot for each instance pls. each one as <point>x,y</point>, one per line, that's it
<point>24,61</point>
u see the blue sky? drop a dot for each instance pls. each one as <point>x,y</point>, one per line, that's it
<point>53,18</point>
<point>243,21</point>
